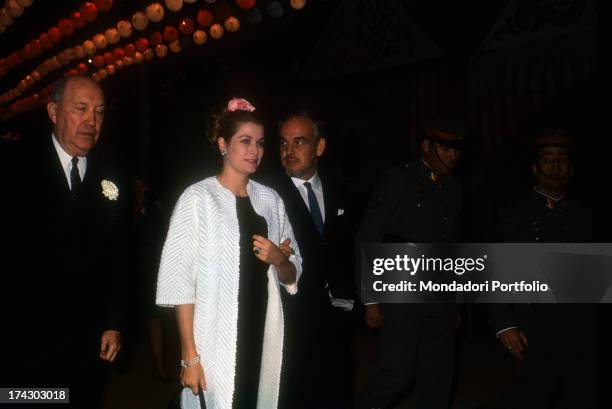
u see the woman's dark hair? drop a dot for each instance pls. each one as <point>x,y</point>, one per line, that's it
<point>224,123</point>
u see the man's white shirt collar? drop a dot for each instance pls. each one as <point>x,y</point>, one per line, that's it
<point>317,187</point>
<point>315,182</point>
<point>66,161</point>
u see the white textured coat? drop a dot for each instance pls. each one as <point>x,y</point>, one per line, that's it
<point>200,265</point>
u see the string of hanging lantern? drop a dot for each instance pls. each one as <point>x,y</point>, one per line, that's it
<point>198,28</point>
<point>86,13</point>
<point>11,11</point>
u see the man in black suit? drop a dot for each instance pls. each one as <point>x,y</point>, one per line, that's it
<point>415,203</point>
<point>555,342</point>
<point>65,258</point>
<point>317,360</point>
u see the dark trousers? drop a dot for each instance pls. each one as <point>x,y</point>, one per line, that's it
<point>317,371</point>
<point>413,347</point>
<point>560,366</point>
<point>557,373</point>
<point>50,360</point>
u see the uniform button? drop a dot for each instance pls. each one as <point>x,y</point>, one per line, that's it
<point>537,238</point>
<point>444,218</point>
<point>419,205</point>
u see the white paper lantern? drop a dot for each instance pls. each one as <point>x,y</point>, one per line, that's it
<point>13,9</point>
<point>100,41</point>
<point>174,5</point>
<point>112,35</point>
<point>5,19</point>
<point>140,21</point>
<point>199,37</point>
<point>125,28</point>
<point>90,47</point>
<point>161,50</point>
<point>175,47</point>
<point>297,4</point>
<point>216,31</point>
<point>155,12</point>
<point>232,24</point>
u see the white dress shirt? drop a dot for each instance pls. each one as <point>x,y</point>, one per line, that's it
<point>66,161</point>
<point>317,187</point>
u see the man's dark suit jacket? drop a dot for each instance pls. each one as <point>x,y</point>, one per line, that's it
<point>314,329</point>
<point>64,270</point>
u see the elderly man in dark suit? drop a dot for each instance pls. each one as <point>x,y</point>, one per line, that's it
<point>317,360</point>
<point>65,253</point>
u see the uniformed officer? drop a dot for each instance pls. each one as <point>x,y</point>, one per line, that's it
<point>554,341</point>
<point>419,203</point>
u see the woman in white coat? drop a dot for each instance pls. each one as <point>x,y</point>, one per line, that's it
<point>229,250</point>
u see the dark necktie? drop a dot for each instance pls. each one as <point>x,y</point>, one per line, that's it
<point>75,178</point>
<point>315,210</point>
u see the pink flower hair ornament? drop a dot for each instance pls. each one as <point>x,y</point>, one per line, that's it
<point>240,104</point>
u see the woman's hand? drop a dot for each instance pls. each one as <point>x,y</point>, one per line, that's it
<point>193,378</point>
<point>286,248</point>
<point>267,251</point>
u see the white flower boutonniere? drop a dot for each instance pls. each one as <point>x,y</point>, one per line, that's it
<point>110,190</point>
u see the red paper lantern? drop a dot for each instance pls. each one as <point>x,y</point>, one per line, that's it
<point>142,44</point>
<point>109,58</point>
<point>77,19</point>
<point>118,53</point>
<point>55,36</point>
<point>245,4</point>
<point>205,18</point>
<point>35,46</point>
<point>186,26</point>
<point>73,72</point>
<point>45,42</point>
<point>15,59</point>
<point>89,11</point>
<point>170,34</point>
<point>129,50</point>
<point>82,68</point>
<point>65,27</point>
<point>25,53</point>
<point>156,38</point>
<point>103,5</point>
<point>98,61</point>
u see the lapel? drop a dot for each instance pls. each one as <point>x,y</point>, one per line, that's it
<point>331,207</point>
<point>50,170</point>
<point>297,206</point>
<point>91,180</point>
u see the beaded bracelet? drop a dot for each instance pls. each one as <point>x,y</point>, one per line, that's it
<point>190,362</point>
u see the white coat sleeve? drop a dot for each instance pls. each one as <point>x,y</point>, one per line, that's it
<point>176,281</point>
<point>287,233</point>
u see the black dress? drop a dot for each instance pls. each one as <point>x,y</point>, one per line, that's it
<point>252,303</point>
